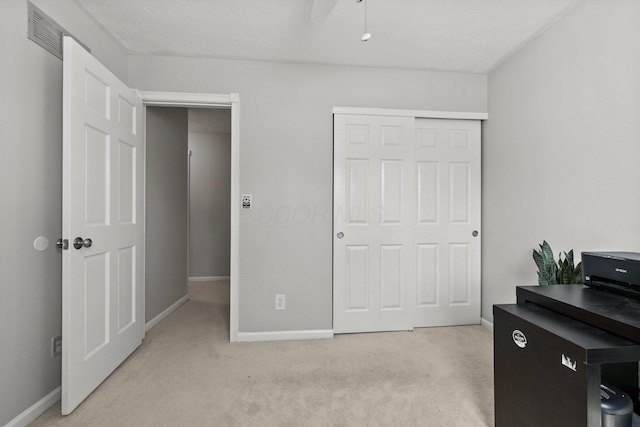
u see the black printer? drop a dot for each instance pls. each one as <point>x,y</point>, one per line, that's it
<point>617,272</point>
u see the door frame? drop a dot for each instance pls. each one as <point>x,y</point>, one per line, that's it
<point>422,114</point>
<point>205,100</point>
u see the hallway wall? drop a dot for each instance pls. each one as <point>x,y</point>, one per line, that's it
<point>210,194</point>
<point>166,208</point>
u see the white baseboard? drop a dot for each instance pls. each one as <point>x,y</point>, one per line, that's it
<point>285,335</point>
<point>153,322</point>
<point>208,278</point>
<point>487,324</point>
<point>35,410</point>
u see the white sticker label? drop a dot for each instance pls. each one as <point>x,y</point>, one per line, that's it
<point>246,202</point>
<point>571,364</point>
<point>519,338</point>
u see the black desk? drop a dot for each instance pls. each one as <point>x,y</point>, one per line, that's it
<point>552,350</point>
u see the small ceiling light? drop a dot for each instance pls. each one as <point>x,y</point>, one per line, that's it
<point>367,35</point>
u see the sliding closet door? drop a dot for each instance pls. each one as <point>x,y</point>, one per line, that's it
<point>406,222</point>
<point>374,187</point>
<point>447,227</point>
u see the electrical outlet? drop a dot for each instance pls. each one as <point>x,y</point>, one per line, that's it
<point>281,301</point>
<point>56,346</point>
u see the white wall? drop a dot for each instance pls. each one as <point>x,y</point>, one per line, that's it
<point>286,154</point>
<point>210,210</point>
<point>31,189</point>
<point>562,145</point>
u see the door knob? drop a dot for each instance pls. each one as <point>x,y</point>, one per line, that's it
<point>475,233</point>
<point>79,242</point>
<point>340,235</point>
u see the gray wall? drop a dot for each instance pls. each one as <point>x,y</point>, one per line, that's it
<point>31,189</point>
<point>561,146</point>
<point>286,163</point>
<point>166,208</point>
<point>210,210</point>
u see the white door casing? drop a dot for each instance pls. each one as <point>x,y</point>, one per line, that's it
<point>373,212</point>
<point>430,247</point>
<point>232,101</point>
<point>448,213</point>
<point>103,200</point>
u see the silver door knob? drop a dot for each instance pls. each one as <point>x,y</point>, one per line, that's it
<point>79,242</point>
<point>475,233</point>
<point>340,235</point>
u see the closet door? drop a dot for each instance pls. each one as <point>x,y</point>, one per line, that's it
<point>406,223</point>
<point>447,227</point>
<point>374,217</point>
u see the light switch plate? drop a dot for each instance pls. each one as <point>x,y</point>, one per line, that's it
<point>246,202</point>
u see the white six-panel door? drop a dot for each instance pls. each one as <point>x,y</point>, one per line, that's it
<point>447,224</point>
<point>406,206</point>
<point>103,194</point>
<point>373,223</point>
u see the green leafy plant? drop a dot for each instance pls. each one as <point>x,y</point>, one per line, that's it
<point>552,273</point>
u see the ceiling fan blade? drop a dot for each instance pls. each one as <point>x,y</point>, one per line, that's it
<point>320,9</point>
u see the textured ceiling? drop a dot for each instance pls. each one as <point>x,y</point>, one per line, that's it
<point>448,35</point>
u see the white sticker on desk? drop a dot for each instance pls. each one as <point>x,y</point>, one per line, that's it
<point>519,338</point>
<point>571,364</point>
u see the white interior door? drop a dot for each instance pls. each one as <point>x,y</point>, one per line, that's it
<point>374,268</point>
<point>447,227</point>
<point>103,196</point>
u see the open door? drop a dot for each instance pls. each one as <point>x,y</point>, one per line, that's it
<point>102,223</point>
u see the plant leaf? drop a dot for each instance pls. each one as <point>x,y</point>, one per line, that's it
<point>546,249</point>
<point>569,257</point>
<point>537,258</point>
<point>567,276</point>
<point>543,278</point>
<point>578,274</point>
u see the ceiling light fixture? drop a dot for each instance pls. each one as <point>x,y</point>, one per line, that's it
<point>367,35</point>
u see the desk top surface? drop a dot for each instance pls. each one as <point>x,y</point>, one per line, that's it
<point>613,313</point>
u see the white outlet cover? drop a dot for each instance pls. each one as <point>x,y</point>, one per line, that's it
<point>281,302</point>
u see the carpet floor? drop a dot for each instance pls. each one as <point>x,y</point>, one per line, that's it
<point>186,373</point>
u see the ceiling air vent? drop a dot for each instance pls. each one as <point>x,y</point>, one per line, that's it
<point>46,32</point>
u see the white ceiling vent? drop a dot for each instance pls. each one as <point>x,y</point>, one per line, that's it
<point>46,32</point>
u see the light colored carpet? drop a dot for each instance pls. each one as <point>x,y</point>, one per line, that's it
<point>186,373</point>
<point>212,291</point>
